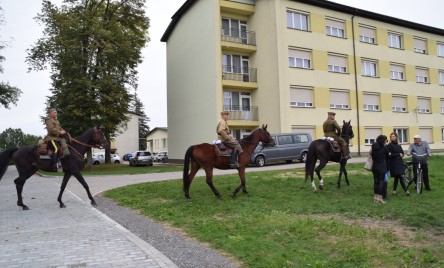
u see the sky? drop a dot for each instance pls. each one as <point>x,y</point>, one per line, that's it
<point>22,31</point>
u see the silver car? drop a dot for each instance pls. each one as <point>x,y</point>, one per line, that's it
<point>141,158</point>
<point>99,158</point>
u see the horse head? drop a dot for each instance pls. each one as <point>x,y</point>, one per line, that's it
<point>99,139</point>
<point>347,131</point>
<point>265,137</point>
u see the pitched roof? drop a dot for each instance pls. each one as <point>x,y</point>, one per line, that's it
<point>324,4</point>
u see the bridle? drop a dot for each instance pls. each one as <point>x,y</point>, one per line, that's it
<point>97,140</point>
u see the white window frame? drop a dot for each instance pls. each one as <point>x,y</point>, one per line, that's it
<point>341,106</point>
<point>238,32</point>
<point>395,40</point>
<point>396,74</point>
<point>399,109</point>
<point>300,103</point>
<point>304,63</point>
<point>338,68</point>
<point>441,77</point>
<point>403,137</point>
<point>418,49</point>
<point>231,105</point>
<point>370,140</point>
<point>298,20</point>
<point>421,78</point>
<point>371,106</point>
<point>369,68</point>
<point>335,28</point>
<point>367,39</point>
<point>442,106</point>
<point>424,110</point>
<point>440,49</point>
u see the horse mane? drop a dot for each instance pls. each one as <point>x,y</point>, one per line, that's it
<point>248,138</point>
<point>84,136</point>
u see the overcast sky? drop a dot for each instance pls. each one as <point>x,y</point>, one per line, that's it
<point>22,31</point>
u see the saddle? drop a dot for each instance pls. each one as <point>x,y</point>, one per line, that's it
<point>334,144</point>
<point>222,149</point>
<point>45,149</point>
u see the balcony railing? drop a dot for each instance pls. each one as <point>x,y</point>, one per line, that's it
<point>242,112</point>
<point>238,36</point>
<point>239,73</point>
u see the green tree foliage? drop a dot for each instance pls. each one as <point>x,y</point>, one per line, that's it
<point>92,48</point>
<point>8,93</point>
<point>12,138</point>
<point>144,129</point>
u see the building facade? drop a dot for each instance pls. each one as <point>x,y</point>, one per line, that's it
<point>157,140</point>
<point>287,63</point>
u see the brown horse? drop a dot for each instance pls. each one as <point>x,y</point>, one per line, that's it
<point>206,156</point>
<point>28,162</point>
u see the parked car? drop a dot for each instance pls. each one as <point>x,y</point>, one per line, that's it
<point>154,155</point>
<point>126,157</point>
<point>99,158</point>
<point>162,156</point>
<point>288,147</point>
<point>141,158</point>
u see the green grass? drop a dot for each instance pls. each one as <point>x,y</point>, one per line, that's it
<point>283,223</point>
<point>121,169</point>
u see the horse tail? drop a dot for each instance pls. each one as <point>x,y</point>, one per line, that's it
<point>310,162</point>
<point>186,168</point>
<point>5,156</point>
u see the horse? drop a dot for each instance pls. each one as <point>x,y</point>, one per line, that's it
<point>322,150</point>
<point>28,161</point>
<point>206,156</point>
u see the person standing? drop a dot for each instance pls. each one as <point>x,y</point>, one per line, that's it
<point>396,165</point>
<point>420,147</point>
<point>223,132</point>
<point>56,132</point>
<point>332,129</point>
<point>379,155</point>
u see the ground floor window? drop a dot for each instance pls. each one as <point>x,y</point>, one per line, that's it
<point>402,135</point>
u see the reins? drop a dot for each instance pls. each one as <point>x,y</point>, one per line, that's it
<point>71,139</point>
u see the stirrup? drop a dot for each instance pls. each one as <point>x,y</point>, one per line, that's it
<point>234,165</point>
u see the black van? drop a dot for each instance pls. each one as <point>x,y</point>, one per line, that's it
<point>288,147</point>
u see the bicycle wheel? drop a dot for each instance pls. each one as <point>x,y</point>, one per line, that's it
<point>407,176</point>
<point>419,182</point>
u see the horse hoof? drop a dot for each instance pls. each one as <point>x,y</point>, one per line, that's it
<point>25,207</point>
<point>94,204</point>
<point>321,187</point>
<point>62,205</point>
<point>219,197</point>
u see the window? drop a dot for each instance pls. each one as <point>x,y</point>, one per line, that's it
<point>335,28</point>
<point>426,134</point>
<point>397,71</point>
<point>301,97</point>
<point>422,75</point>
<point>369,68</point>
<point>367,34</point>
<point>371,102</point>
<point>441,77</point>
<point>337,63</point>
<point>399,103</point>
<point>235,28</point>
<point>339,99</point>
<point>299,58</point>
<point>235,67</point>
<point>395,40</point>
<point>307,129</point>
<point>442,106</point>
<point>237,101</point>
<point>240,133</point>
<point>285,139</point>
<point>423,105</point>
<point>442,134</point>
<point>402,134</point>
<point>297,21</point>
<point>420,45</point>
<point>371,134</point>
<point>440,49</point>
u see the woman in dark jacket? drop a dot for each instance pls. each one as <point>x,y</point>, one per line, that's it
<point>396,164</point>
<point>379,154</point>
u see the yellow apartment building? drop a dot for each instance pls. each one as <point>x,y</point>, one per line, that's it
<point>286,63</point>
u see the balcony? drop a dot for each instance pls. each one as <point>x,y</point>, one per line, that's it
<point>239,77</point>
<point>238,40</point>
<point>241,7</point>
<point>246,113</point>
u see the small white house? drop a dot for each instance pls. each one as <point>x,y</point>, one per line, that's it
<point>157,140</point>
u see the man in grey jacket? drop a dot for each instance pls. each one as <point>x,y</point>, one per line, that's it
<point>419,147</point>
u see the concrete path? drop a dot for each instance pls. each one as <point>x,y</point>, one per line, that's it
<point>79,235</point>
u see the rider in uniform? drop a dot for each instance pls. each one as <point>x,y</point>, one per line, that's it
<point>55,133</point>
<point>223,132</point>
<point>332,129</point>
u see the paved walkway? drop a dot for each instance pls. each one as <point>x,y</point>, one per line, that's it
<point>79,235</point>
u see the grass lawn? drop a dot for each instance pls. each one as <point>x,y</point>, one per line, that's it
<point>283,223</point>
<point>122,169</point>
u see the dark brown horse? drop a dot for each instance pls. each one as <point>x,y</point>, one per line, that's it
<point>322,150</point>
<point>27,161</point>
<point>206,156</point>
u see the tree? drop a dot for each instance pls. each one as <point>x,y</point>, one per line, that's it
<point>144,129</point>
<point>93,48</point>
<point>8,93</point>
<point>12,138</point>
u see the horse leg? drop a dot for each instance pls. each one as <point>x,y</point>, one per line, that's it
<point>66,177</point>
<point>242,185</point>
<point>209,180</point>
<point>20,182</point>
<point>194,168</point>
<point>318,169</point>
<point>82,181</point>
<point>340,176</point>
<point>345,175</point>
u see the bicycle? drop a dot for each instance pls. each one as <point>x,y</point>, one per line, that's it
<point>408,173</point>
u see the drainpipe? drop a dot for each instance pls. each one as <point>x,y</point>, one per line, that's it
<point>356,83</point>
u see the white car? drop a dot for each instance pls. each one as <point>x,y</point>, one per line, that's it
<point>141,158</point>
<point>162,156</point>
<point>99,158</point>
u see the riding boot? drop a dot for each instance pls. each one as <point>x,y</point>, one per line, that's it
<point>233,159</point>
<point>65,150</point>
<point>345,152</point>
<point>54,160</point>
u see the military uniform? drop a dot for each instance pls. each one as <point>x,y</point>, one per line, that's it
<point>54,133</point>
<point>223,134</point>
<point>331,128</point>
